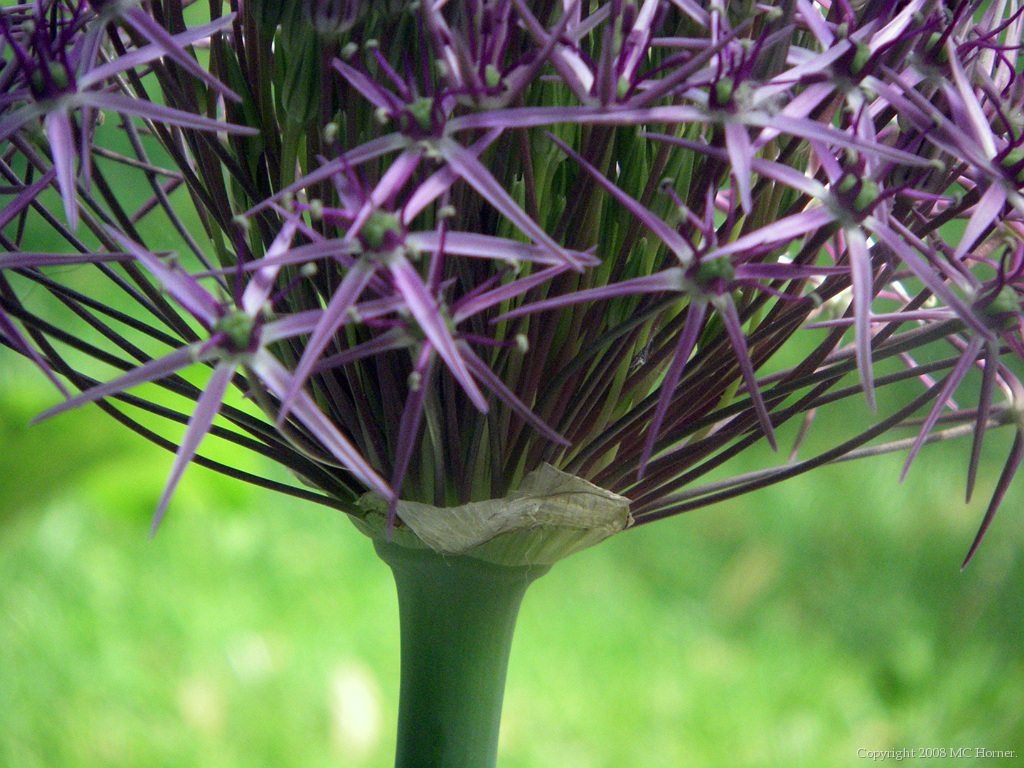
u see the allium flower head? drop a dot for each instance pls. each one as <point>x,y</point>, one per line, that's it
<point>441,244</point>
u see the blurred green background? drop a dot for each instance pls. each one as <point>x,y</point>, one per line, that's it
<point>792,627</point>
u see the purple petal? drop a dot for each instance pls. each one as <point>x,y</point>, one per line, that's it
<point>278,381</point>
<point>334,317</point>
<point>19,343</point>
<point>25,197</point>
<point>262,282</point>
<point>676,242</point>
<point>491,380</point>
<point>733,327</point>
<point>479,177</point>
<point>684,347</point>
<point>740,153</point>
<point>125,105</point>
<point>62,150</point>
<point>155,50</point>
<point>154,370</point>
<point>173,46</point>
<point>963,365</point>
<point>985,212</point>
<point>468,306</point>
<point>489,247</point>
<point>199,423</point>
<point>1009,470</point>
<point>185,289</point>
<point>672,279</point>
<point>863,287</point>
<point>424,308</point>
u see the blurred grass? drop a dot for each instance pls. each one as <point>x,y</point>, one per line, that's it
<point>791,627</point>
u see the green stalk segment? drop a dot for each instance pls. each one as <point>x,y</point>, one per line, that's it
<point>457,617</point>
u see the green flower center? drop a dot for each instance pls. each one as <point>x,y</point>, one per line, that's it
<point>238,328</point>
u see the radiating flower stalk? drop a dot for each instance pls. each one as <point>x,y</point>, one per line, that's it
<point>442,258</point>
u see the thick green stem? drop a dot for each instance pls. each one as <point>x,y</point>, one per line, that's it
<point>457,616</point>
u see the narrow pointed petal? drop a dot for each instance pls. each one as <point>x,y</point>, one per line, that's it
<point>409,424</point>
<point>1009,470</point>
<point>472,305</point>
<point>671,279</point>
<point>863,293</point>
<point>62,150</point>
<point>684,348</point>
<point>151,371</point>
<point>125,105</point>
<point>740,153</point>
<point>174,47</point>
<point>206,408</point>
<point>967,359</point>
<point>185,289</point>
<point>24,198</point>
<point>19,343</point>
<point>424,308</point>
<point>988,379</point>
<point>262,282</point>
<point>494,383</point>
<point>676,242</point>
<point>479,177</point>
<point>733,327</point>
<point>278,381</point>
<point>334,317</point>
<point>985,212</point>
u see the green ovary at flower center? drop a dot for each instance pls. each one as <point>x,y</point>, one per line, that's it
<point>375,231</point>
<point>237,326</point>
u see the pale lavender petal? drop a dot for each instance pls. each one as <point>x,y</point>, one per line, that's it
<point>985,212</point>
<point>262,281</point>
<point>19,343</point>
<point>370,90</point>
<point>927,275</point>
<point>783,230</point>
<point>737,141</point>
<point>409,424</point>
<point>21,260</point>
<point>357,156</point>
<point>862,276</point>
<point>963,365</point>
<point>136,58</point>
<point>24,198</point>
<point>672,279</point>
<point>289,326</point>
<point>392,339</point>
<point>154,370</point>
<point>125,105</point>
<point>62,151</point>
<point>206,408</point>
<point>479,177</point>
<point>278,381</point>
<point>173,47</point>
<point>424,308</point>
<point>489,247</point>
<point>185,289</point>
<point>440,181</point>
<point>472,305</point>
<point>334,317</point>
